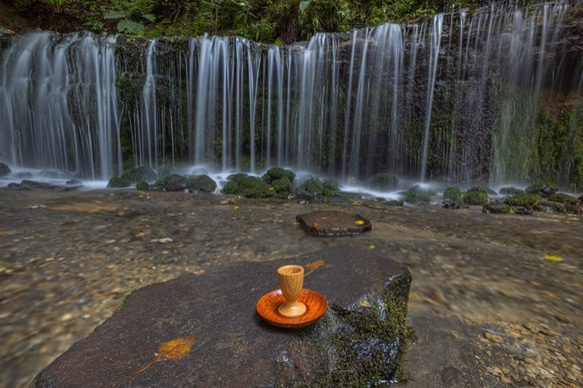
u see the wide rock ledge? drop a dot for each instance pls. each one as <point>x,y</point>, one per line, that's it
<point>360,339</point>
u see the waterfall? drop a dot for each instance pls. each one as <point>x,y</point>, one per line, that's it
<point>435,42</point>
<point>59,104</point>
<point>453,98</point>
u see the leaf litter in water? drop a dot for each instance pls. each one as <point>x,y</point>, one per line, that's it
<point>171,350</point>
<point>553,258</point>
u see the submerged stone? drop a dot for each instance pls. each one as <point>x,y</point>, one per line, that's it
<point>333,223</point>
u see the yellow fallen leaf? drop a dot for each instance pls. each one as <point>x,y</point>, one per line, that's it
<point>365,303</point>
<point>171,350</point>
<point>144,219</point>
<point>359,222</point>
<point>553,258</point>
<point>236,207</point>
<point>371,246</point>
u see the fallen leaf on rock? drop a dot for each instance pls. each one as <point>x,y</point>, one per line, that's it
<point>365,303</point>
<point>171,350</point>
<point>315,224</point>
<point>359,222</point>
<point>318,264</point>
<point>553,258</point>
<point>199,272</point>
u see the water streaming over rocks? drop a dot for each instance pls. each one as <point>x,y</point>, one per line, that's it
<point>452,98</point>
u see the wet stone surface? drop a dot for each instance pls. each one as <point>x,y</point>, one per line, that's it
<point>333,223</point>
<point>68,259</point>
<point>233,346</point>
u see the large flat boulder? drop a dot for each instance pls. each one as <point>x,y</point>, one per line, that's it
<point>360,339</point>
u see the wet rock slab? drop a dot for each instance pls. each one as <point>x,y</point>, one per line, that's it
<point>233,346</point>
<point>333,223</point>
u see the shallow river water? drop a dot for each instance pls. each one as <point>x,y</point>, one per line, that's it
<point>68,259</point>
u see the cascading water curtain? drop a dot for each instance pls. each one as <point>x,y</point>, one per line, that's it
<point>452,98</point>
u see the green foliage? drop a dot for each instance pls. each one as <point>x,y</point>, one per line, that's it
<point>326,16</point>
<point>128,12</point>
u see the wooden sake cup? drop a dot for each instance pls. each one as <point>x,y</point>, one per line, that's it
<point>291,281</point>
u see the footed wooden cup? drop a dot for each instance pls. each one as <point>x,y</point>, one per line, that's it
<point>291,281</point>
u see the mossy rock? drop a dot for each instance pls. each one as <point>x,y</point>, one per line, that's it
<point>314,186</point>
<point>453,194</point>
<point>282,186</point>
<point>141,173</point>
<point>331,188</point>
<point>526,200</point>
<point>481,189</point>
<point>276,173</point>
<point>562,197</point>
<point>394,202</point>
<point>449,204</point>
<point>544,189</point>
<point>416,194</point>
<point>513,191</point>
<point>202,183</point>
<point>249,186</point>
<point>550,207</point>
<point>118,183</point>
<point>175,182</point>
<point>475,198</point>
<point>143,186</point>
<point>232,188</point>
<point>384,182</point>
<point>235,177</point>
<point>497,207</point>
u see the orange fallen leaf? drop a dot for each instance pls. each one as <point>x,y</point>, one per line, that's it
<point>317,264</point>
<point>171,350</point>
<point>316,224</point>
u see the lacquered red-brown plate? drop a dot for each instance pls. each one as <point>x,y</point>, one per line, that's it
<point>267,308</point>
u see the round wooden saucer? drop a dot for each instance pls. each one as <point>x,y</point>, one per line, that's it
<point>267,308</point>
